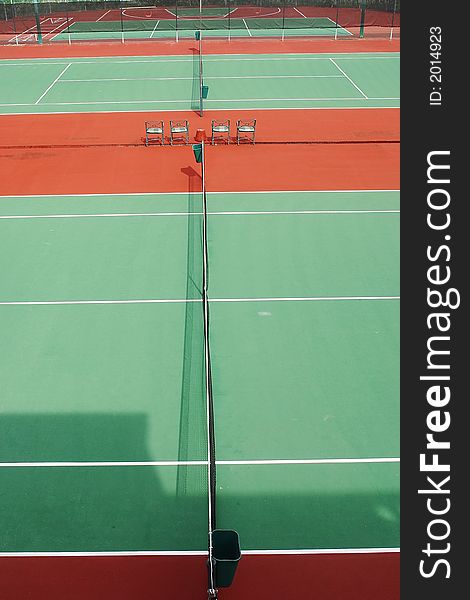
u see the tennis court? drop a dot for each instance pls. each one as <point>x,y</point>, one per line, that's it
<point>162,83</point>
<point>105,445</point>
<point>104,288</point>
<point>138,26</point>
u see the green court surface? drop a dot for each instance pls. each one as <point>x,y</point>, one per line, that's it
<point>361,80</point>
<point>104,415</point>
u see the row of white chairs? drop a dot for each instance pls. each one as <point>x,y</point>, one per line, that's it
<point>220,131</point>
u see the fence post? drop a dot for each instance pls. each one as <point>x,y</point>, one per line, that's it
<point>176,20</point>
<point>363,18</point>
<point>393,19</point>
<point>38,21</point>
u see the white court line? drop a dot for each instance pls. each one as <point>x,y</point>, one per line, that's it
<point>198,463</point>
<point>184,300</point>
<point>305,299</point>
<point>249,32</point>
<point>325,551</point>
<point>338,26</point>
<point>215,192</point>
<point>287,192</point>
<point>153,30</point>
<point>241,100</point>
<point>288,99</point>
<point>65,24</point>
<point>53,83</point>
<point>102,16</point>
<point>214,109</point>
<point>205,77</point>
<point>348,78</point>
<point>176,57</point>
<point>300,551</point>
<point>300,13</point>
<point>98,60</point>
<point>18,35</point>
<point>86,302</point>
<point>209,213</point>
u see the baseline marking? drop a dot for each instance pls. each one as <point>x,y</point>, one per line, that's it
<point>191,300</point>
<point>209,58</point>
<point>216,213</point>
<point>198,463</point>
<point>209,77</point>
<point>202,552</point>
<point>240,100</point>
<point>131,194</point>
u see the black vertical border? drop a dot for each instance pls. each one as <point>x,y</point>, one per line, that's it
<point>425,129</point>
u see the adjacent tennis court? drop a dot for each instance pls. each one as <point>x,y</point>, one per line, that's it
<point>363,80</point>
<point>140,27</point>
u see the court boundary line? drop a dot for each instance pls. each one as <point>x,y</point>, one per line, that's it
<point>249,32</point>
<point>338,26</point>
<point>189,214</point>
<point>197,463</point>
<point>192,300</point>
<point>206,77</point>
<point>142,110</point>
<point>221,100</point>
<point>103,15</point>
<point>154,29</point>
<point>122,194</point>
<point>22,62</point>
<point>300,13</point>
<point>188,553</point>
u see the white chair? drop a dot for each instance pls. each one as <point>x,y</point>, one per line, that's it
<point>221,131</point>
<point>246,130</point>
<point>154,131</point>
<point>179,130</point>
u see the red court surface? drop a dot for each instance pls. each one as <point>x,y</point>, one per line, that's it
<point>162,48</point>
<point>240,168</point>
<point>103,129</point>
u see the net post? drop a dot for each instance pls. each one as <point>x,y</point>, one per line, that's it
<point>176,21</point>
<point>38,21</point>
<point>283,21</point>
<point>122,22</point>
<point>229,18</point>
<point>393,19</point>
<point>68,26</point>
<point>14,24</point>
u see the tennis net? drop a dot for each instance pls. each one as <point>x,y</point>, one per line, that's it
<point>212,475</point>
